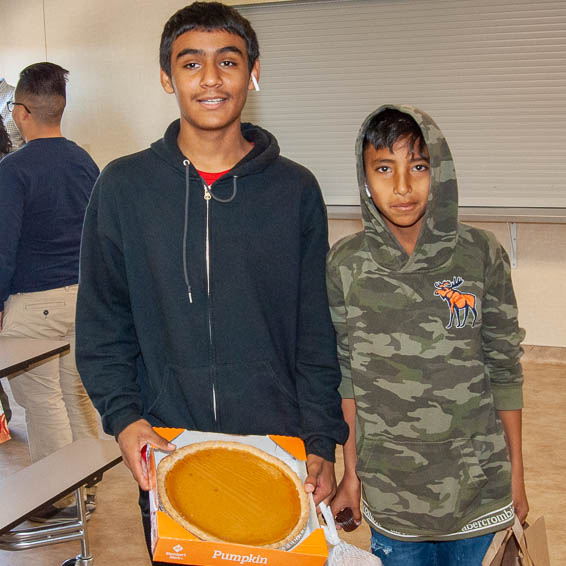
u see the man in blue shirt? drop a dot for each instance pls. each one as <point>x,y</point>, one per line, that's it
<point>45,188</point>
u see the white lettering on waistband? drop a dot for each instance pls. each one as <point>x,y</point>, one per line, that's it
<point>499,517</point>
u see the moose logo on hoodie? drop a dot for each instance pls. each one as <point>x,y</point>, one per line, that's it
<point>457,301</point>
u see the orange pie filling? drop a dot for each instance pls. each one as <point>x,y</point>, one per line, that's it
<point>233,492</point>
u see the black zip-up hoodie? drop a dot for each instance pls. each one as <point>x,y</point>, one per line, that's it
<point>254,352</point>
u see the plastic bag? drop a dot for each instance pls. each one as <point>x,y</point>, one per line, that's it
<point>343,553</point>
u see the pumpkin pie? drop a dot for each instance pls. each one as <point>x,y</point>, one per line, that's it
<point>233,492</point>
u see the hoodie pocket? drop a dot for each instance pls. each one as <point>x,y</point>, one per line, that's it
<point>184,399</point>
<point>421,486</point>
<point>253,399</point>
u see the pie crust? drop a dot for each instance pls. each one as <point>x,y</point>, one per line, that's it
<point>233,492</point>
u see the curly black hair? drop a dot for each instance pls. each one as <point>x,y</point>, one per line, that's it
<point>5,142</point>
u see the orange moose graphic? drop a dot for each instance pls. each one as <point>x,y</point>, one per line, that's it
<point>456,301</point>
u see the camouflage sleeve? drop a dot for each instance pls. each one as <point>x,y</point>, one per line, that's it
<point>338,314</point>
<point>501,335</point>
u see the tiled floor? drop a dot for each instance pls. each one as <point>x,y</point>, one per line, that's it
<point>115,528</point>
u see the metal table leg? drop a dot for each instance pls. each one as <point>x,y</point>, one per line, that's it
<point>63,531</point>
<point>85,558</point>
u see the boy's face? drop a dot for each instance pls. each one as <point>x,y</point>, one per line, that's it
<point>210,78</point>
<point>399,183</point>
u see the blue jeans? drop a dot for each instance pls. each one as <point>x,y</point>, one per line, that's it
<point>466,552</point>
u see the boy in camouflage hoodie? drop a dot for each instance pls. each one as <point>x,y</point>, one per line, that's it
<point>429,347</point>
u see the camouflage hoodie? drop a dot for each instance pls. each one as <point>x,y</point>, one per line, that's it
<point>427,383</point>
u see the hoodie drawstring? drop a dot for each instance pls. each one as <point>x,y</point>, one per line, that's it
<point>187,165</point>
<point>234,192</point>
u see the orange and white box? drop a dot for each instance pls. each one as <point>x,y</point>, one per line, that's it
<point>174,544</point>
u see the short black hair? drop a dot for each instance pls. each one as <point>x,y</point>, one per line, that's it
<point>43,79</point>
<point>207,16</point>
<point>5,142</point>
<point>391,125</point>
<point>43,86</point>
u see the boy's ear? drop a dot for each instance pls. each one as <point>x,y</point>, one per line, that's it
<point>23,115</point>
<point>166,82</point>
<point>255,72</point>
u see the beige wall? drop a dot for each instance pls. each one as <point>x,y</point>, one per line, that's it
<point>22,40</point>
<point>115,102</point>
<point>116,106</point>
<point>538,278</point>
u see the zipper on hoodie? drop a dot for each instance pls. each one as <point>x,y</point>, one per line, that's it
<point>207,198</point>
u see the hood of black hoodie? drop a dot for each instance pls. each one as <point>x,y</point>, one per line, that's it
<point>264,152</point>
<point>438,234</point>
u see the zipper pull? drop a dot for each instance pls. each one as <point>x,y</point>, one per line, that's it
<point>207,195</point>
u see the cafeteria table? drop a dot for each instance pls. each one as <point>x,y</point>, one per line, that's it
<point>67,470</point>
<point>17,354</point>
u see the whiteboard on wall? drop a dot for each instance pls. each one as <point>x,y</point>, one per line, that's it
<point>492,73</point>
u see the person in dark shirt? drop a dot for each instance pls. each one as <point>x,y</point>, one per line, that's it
<point>7,95</point>
<point>202,301</point>
<point>5,147</point>
<point>45,188</point>
<point>5,141</point>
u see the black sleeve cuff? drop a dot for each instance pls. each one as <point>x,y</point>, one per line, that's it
<point>322,446</point>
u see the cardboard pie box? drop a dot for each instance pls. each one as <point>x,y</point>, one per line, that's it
<point>174,544</point>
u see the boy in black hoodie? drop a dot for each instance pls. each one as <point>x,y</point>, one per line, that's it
<point>202,300</point>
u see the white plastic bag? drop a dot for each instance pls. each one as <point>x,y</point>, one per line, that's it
<point>341,552</point>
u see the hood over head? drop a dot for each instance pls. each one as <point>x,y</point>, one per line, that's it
<point>438,233</point>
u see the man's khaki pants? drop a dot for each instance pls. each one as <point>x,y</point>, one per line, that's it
<point>57,407</point>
